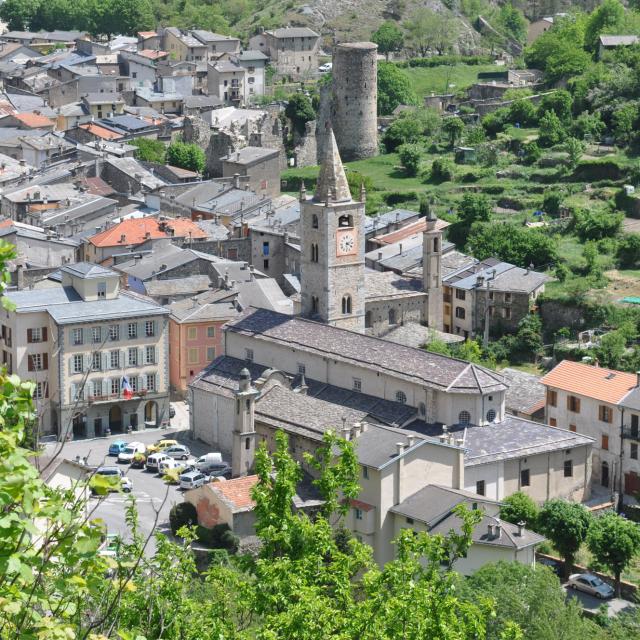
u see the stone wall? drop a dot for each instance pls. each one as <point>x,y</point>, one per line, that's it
<point>305,150</point>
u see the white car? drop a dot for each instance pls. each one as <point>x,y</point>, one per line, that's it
<point>155,459</point>
<point>325,68</point>
<point>192,479</point>
<point>170,463</point>
<point>178,451</point>
<point>126,455</point>
<point>125,483</point>
<point>208,458</point>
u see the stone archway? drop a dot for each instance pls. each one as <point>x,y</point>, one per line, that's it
<point>79,425</point>
<point>151,414</point>
<point>115,418</point>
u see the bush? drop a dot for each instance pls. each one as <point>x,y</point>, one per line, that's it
<point>183,514</point>
<point>437,61</point>
<point>442,170</point>
<point>150,150</point>
<point>411,157</point>
<point>186,156</point>
<point>300,111</point>
<point>523,112</point>
<point>493,123</point>
<point>551,203</point>
<point>531,153</point>
<point>551,130</point>
<point>519,507</point>
<point>219,536</point>
<point>594,225</point>
<point>629,251</point>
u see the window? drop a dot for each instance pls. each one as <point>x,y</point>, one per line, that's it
<point>345,221</point>
<point>634,426</point>
<point>301,369</point>
<point>358,514</point>
<point>604,444</point>
<point>96,388</point>
<point>211,353</point>
<point>573,404</point>
<point>248,355</point>
<point>115,386</point>
<point>552,398</point>
<point>36,335</point>
<point>410,520</point>
<point>114,359</point>
<point>192,333</point>
<point>461,294</point>
<point>211,332</point>
<point>422,408</point>
<point>605,413</point>
<point>150,355</point>
<point>133,383</point>
<point>365,473</point>
<point>346,305</point>
<point>96,335</point>
<point>314,221</point>
<point>37,362</point>
<point>633,451</point>
<point>149,328</point>
<point>265,263</point>
<point>96,361</point>
<point>464,418</point>
<point>480,488</point>
<point>572,427</point>
<point>76,336</point>
<point>314,253</point>
<point>568,468</point>
<point>41,390</point>
<point>265,248</point>
<point>367,320</point>
<point>357,385</point>
<point>401,397</point>
<point>78,363</point>
<point>133,357</point>
<point>114,332</point>
<point>192,356</point>
<point>524,478</point>
<point>392,316</point>
<point>507,314</point>
<point>132,330</point>
<point>553,422</point>
<point>507,297</point>
<point>151,382</point>
<point>102,289</point>
<point>460,313</point>
<point>491,415</point>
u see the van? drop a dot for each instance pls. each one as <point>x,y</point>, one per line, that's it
<point>154,460</point>
<point>192,479</point>
<point>126,455</point>
<point>208,458</point>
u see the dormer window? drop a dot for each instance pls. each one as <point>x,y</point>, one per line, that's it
<point>102,289</point>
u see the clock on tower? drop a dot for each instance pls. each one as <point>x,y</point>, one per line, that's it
<point>346,243</point>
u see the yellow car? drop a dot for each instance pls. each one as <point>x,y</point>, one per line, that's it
<point>161,445</point>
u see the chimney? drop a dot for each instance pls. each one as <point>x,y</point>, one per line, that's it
<point>357,427</point>
<point>410,440</point>
<point>399,448</point>
<point>236,177</point>
<point>490,531</point>
<point>147,235</point>
<point>123,238</point>
<point>379,255</point>
<point>400,247</point>
<point>20,276</point>
<point>521,528</point>
<point>479,281</point>
<point>346,431</point>
<point>498,530</point>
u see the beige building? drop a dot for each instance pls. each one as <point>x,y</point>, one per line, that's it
<point>81,343</point>
<point>604,405</point>
<point>293,51</point>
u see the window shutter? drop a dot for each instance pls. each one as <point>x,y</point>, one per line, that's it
<point>600,412</point>
<point>73,391</point>
<point>46,389</point>
<point>569,402</point>
<point>141,357</point>
<point>143,382</point>
<point>105,361</point>
<point>29,335</point>
<point>577,405</point>
<point>87,362</point>
<point>106,387</point>
<point>30,366</point>
<point>44,334</point>
<point>45,361</point>
<point>71,365</point>
<point>123,359</point>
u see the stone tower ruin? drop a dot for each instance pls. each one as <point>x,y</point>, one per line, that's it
<point>354,98</point>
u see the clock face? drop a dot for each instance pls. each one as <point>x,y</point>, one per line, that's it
<point>346,243</point>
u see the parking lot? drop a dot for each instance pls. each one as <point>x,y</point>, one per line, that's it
<point>154,498</point>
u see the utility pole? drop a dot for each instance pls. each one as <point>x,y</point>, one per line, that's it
<point>487,309</point>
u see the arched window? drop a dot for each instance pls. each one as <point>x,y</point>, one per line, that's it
<point>491,415</point>
<point>314,304</point>
<point>346,304</point>
<point>436,245</point>
<point>392,316</point>
<point>401,397</point>
<point>367,320</point>
<point>464,418</point>
<point>314,221</point>
<point>314,253</point>
<point>345,221</point>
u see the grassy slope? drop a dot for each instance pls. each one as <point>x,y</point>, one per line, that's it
<point>438,79</point>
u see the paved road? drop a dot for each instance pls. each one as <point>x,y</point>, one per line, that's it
<point>592,604</point>
<point>154,498</point>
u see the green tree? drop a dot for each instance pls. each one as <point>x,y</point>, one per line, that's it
<point>611,349</point>
<point>394,88</point>
<point>624,121</point>
<point>469,350</point>
<point>150,150</point>
<point>560,102</point>
<point>186,155</point>
<point>523,112</point>
<point>442,170</point>
<point>453,127</point>
<point>300,111</point>
<point>411,157</point>
<point>513,22</point>
<point>574,148</point>
<point>595,225</point>
<point>529,337</point>
<point>436,345</point>
<point>428,29</point>
<point>609,17</point>
<point>628,253</point>
<point>412,125</point>
<point>614,542</point>
<point>474,207</point>
<point>551,130</point>
<point>519,507</point>
<point>388,37</point>
<point>18,14</point>
<point>566,524</point>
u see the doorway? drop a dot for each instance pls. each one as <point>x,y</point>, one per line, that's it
<point>151,414</point>
<point>605,474</point>
<point>115,418</point>
<point>79,422</point>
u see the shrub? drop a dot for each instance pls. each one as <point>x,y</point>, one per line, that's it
<point>411,157</point>
<point>219,536</point>
<point>519,507</point>
<point>300,111</point>
<point>187,156</point>
<point>629,251</point>
<point>594,225</point>
<point>442,170</point>
<point>551,203</point>
<point>551,130</point>
<point>183,514</point>
<point>531,153</point>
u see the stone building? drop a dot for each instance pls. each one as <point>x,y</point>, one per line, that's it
<point>354,99</point>
<point>293,51</point>
<point>260,165</point>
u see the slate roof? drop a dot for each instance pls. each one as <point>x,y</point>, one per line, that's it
<point>210,305</point>
<point>526,394</point>
<point>382,220</point>
<point>332,181</point>
<point>161,261</point>
<point>414,365</point>
<point>177,286</point>
<point>249,155</point>
<point>87,271</point>
<point>512,438</point>
<point>507,277</point>
<point>618,41</point>
<point>293,32</point>
<point>383,285</point>
<point>251,55</point>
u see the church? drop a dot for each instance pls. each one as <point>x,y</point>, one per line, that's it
<point>421,421</point>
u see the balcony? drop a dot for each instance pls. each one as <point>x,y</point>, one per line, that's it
<point>630,433</point>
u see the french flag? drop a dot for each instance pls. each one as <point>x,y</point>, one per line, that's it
<point>127,392</point>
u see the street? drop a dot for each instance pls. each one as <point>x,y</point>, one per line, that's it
<point>592,604</point>
<point>154,498</point>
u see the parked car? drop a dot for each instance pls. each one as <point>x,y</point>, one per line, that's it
<point>154,460</point>
<point>554,565</point>
<point>591,584</point>
<point>216,470</point>
<point>116,447</point>
<point>325,68</point>
<point>126,455</point>
<point>178,451</point>
<point>139,460</point>
<point>192,479</point>
<point>208,458</point>
<point>161,445</point>
<point>171,463</point>
<point>117,481</point>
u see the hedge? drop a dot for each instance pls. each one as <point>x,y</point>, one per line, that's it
<point>219,536</point>
<point>599,170</point>
<point>183,514</point>
<point>437,61</point>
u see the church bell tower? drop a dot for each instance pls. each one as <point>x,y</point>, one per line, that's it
<point>332,246</point>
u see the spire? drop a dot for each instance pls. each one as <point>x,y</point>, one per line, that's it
<point>363,192</point>
<point>332,181</point>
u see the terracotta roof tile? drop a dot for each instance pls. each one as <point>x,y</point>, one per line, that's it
<point>237,492</point>
<point>33,120</point>
<point>152,54</point>
<point>363,506</point>
<point>100,132</point>
<point>135,230</point>
<point>409,230</point>
<point>606,385</point>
